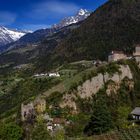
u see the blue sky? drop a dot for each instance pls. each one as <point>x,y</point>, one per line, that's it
<point>36,14</point>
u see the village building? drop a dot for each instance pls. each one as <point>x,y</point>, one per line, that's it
<point>41,75</point>
<point>27,111</point>
<point>54,74</point>
<point>55,124</point>
<point>47,74</point>
<point>136,114</point>
<point>58,121</point>
<point>116,55</point>
<point>136,54</point>
<point>40,105</point>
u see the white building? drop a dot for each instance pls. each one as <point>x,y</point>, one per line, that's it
<point>47,74</point>
<point>54,74</point>
<point>41,75</point>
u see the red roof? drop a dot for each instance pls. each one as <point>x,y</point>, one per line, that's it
<point>59,120</point>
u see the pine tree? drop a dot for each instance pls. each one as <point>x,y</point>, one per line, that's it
<point>101,120</point>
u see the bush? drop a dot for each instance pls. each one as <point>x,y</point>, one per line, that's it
<point>40,133</point>
<point>10,132</point>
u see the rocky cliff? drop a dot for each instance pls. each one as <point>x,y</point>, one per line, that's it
<point>91,87</point>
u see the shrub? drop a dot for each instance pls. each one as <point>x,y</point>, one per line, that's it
<point>10,132</point>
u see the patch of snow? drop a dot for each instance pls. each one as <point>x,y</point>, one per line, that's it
<point>8,35</point>
<point>80,16</point>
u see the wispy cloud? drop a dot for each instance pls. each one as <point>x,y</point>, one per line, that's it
<point>52,9</point>
<point>7,18</point>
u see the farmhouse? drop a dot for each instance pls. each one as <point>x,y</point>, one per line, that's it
<point>55,123</point>
<point>116,55</point>
<point>47,74</point>
<point>41,75</point>
<point>54,74</point>
<point>136,113</point>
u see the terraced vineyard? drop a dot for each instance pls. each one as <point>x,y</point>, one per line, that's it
<point>127,134</point>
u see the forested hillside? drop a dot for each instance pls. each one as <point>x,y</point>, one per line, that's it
<point>115,25</point>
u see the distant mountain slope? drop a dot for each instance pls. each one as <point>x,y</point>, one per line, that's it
<point>29,53</point>
<point>8,35</point>
<point>31,38</point>
<point>40,34</point>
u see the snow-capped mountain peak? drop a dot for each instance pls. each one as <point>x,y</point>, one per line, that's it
<point>8,35</point>
<point>81,15</point>
<point>82,12</point>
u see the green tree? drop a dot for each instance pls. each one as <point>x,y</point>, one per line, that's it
<point>122,117</point>
<point>10,132</point>
<point>59,135</point>
<point>101,120</point>
<point>40,133</point>
<point>75,129</point>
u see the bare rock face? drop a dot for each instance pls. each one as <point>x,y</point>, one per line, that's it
<point>91,87</point>
<point>125,72</point>
<point>69,100</point>
<point>112,88</point>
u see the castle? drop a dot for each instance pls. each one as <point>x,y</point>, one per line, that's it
<point>119,55</point>
<point>116,55</point>
<point>30,110</point>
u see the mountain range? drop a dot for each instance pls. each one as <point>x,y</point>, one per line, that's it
<point>14,39</point>
<point>113,26</point>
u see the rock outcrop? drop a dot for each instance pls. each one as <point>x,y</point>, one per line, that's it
<point>92,86</point>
